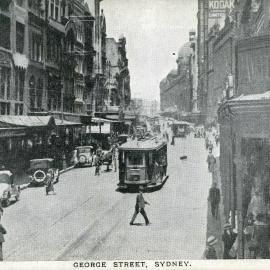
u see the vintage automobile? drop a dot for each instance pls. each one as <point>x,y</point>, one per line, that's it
<point>84,156</point>
<point>8,190</point>
<point>38,171</point>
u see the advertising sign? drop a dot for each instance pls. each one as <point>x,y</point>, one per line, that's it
<point>217,8</point>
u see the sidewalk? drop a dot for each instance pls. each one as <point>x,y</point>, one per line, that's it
<point>215,226</point>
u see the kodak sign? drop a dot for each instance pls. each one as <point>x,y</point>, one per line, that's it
<point>220,5</point>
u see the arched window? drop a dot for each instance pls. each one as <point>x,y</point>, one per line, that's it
<point>32,93</point>
<point>39,93</point>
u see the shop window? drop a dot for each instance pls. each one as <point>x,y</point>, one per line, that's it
<point>19,37</point>
<point>32,94</point>
<point>5,32</point>
<point>4,83</point>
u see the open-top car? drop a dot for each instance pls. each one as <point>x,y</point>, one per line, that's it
<point>84,156</point>
<point>38,171</point>
<point>8,191</point>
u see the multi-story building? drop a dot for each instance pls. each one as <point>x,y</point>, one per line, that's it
<point>48,66</point>
<point>210,13</point>
<point>244,120</point>
<point>176,90</point>
<point>48,45</point>
<point>118,81</point>
<point>117,84</point>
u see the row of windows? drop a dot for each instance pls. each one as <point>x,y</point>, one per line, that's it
<point>35,93</point>
<point>5,108</point>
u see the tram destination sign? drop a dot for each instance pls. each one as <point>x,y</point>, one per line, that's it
<point>217,8</point>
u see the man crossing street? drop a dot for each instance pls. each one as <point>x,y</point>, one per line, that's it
<point>139,207</point>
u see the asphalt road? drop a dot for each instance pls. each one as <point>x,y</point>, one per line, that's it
<point>88,219</point>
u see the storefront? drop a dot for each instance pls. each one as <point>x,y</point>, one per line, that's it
<point>24,138</point>
<point>245,162</point>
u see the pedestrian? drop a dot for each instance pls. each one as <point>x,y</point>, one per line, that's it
<point>167,136</point>
<point>2,240</point>
<point>214,198</point>
<point>211,160</point>
<point>210,251</point>
<point>139,207</point>
<point>261,237</point>
<point>114,157</point>
<point>172,143</point>
<point>97,164</point>
<point>49,182</point>
<point>228,238</point>
<point>1,210</point>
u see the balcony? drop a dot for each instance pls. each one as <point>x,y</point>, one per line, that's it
<point>57,25</point>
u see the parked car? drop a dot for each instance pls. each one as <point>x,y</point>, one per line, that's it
<point>38,171</point>
<point>84,156</point>
<point>8,190</point>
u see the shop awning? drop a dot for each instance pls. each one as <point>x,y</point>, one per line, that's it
<point>102,120</point>
<point>63,123</point>
<point>79,101</point>
<point>20,60</point>
<point>26,121</point>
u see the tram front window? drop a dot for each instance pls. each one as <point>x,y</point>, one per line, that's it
<point>135,158</point>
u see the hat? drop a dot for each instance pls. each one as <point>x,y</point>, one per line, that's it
<point>227,226</point>
<point>211,240</point>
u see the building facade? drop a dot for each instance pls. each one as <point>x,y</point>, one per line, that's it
<point>210,13</point>
<point>244,121</point>
<point>176,89</point>
<point>49,47</point>
<point>118,78</point>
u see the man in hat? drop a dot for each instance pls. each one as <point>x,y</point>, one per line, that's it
<point>261,237</point>
<point>139,207</point>
<point>2,240</point>
<point>210,251</point>
<point>214,198</point>
<point>228,238</point>
<point>211,160</point>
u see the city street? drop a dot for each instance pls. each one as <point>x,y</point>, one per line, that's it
<point>87,218</point>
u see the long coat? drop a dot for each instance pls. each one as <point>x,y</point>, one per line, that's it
<point>2,232</point>
<point>140,202</point>
<point>214,195</point>
<point>228,240</point>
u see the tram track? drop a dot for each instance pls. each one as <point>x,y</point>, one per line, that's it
<point>46,228</point>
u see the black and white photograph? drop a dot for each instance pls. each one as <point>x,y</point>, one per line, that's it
<point>135,133</point>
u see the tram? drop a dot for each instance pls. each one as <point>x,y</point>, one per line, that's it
<point>180,128</point>
<point>143,164</point>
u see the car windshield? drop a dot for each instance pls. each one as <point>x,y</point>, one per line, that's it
<point>44,164</point>
<point>84,150</point>
<point>4,179</point>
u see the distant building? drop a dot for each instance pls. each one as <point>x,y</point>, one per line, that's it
<point>176,90</point>
<point>118,79</point>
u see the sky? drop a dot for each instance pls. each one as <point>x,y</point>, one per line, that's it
<point>154,30</point>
